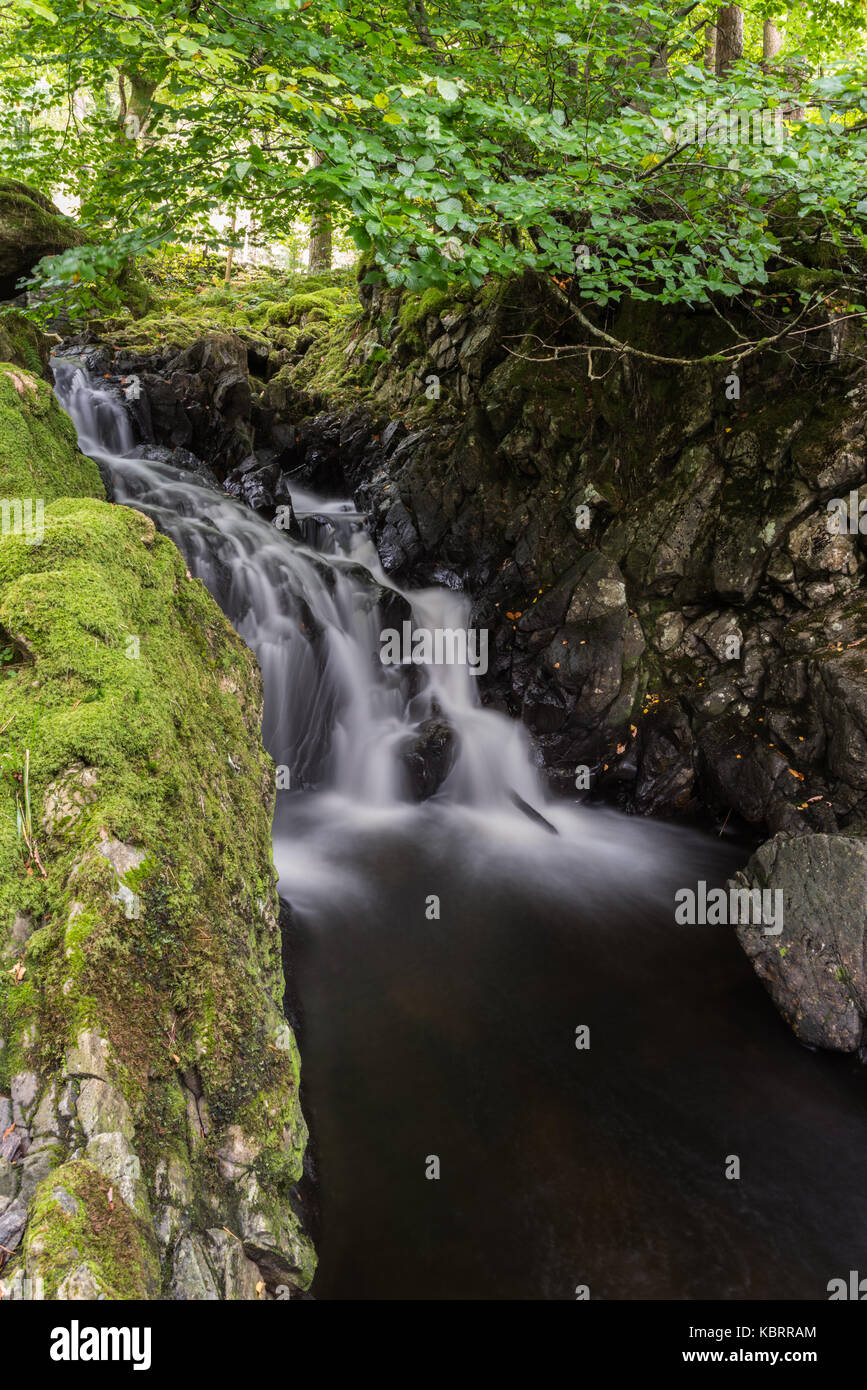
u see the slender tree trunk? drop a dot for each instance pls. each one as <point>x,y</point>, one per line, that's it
<point>319,257</point>
<point>772,43</point>
<point>730,37</point>
<point>230,256</point>
<point>710,47</point>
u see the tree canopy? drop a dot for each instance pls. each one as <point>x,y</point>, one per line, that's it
<point>585,139</point>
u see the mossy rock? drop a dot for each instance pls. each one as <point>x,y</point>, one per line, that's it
<point>322,304</point>
<point>22,343</point>
<point>84,1242</point>
<point>151,953</point>
<point>134,290</point>
<point>30,227</point>
<point>39,455</point>
<point>416,308</point>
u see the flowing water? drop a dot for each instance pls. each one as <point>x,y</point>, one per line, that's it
<point>453,1036</point>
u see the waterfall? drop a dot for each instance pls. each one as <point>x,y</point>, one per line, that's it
<point>314,612</point>
<point>449,955</point>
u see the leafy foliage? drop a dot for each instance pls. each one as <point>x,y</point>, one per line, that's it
<point>459,138</point>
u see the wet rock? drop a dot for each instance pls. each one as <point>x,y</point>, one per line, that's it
<point>25,1089</point>
<point>112,1155</point>
<point>256,481</point>
<point>399,543</point>
<point>815,968</point>
<point>13,1142</point>
<point>430,756</point>
<point>46,1125</point>
<point>198,399</point>
<point>272,1239</point>
<point>35,1168</point>
<point>666,771</point>
<point>183,460</point>
<point>237,1154</point>
<point>8,1183</point>
<point>89,1056</point>
<point>102,1109</point>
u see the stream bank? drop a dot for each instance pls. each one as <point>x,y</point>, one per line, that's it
<point>151,1136</point>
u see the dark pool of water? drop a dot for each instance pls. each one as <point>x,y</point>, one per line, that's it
<point>559,1167</point>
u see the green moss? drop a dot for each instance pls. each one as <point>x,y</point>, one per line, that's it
<point>416,308</point>
<point>18,1004</point>
<point>321,304</point>
<point>140,710</point>
<point>78,1223</point>
<point>21,343</point>
<point>134,291</point>
<point>101,582</point>
<point>39,455</point>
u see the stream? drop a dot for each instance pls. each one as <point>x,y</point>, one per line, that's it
<point>448,1032</point>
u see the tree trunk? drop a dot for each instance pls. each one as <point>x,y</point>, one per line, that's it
<point>319,256</point>
<point>772,41</point>
<point>730,37</point>
<point>710,47</point>
<point>230,256</point>
<point>135,110</point>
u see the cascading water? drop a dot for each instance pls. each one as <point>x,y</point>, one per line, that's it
<point>446,952</point>
<point>335,715</point>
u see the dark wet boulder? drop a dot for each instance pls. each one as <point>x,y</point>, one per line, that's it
<point>181,459</point>
<point>430,756</point>
<point>198,398</point>
<point>399,544</point>
<point>815,969</point>
<point>665,780</point>
<point>255,481</point>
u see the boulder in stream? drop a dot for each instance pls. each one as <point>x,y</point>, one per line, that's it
<point>430,756</point>
<point>816,969</point>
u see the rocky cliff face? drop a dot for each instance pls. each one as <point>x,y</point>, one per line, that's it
<point>648,544</point>
<point>151,1136</point>
<point>653,560</point>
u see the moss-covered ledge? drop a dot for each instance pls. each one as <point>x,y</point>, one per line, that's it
<point>152,1132</point>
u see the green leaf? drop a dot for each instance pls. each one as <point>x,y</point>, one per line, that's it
<point>447,90</point>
